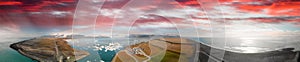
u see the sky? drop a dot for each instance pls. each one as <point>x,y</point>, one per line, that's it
<point>188,18</point>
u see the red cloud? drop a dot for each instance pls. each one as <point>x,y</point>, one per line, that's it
<point>186,3</point>
<point>104,21</point>
<point>275,8</point>
<point>15,12</point>
<point>10,3</point>
<point>270,7</point>
<point>115,4</point>
<point>24,20</point>
<point>36,5</point>
<point>277,20</point>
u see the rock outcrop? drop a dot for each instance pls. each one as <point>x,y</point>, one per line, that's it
<point>48,50</point>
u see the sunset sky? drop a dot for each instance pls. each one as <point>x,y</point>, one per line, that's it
<point>189,18</point>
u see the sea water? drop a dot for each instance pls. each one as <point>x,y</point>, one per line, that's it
<point>10,55</point>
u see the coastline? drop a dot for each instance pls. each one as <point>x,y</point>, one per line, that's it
<point>204,54</point>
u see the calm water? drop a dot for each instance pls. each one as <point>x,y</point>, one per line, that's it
<point>9,55</point>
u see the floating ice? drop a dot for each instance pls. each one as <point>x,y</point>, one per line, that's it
<point>109,47</point>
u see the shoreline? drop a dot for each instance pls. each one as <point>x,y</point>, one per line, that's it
<point>204,54</point>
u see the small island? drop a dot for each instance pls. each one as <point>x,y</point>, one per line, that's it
<point>48,50</point>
